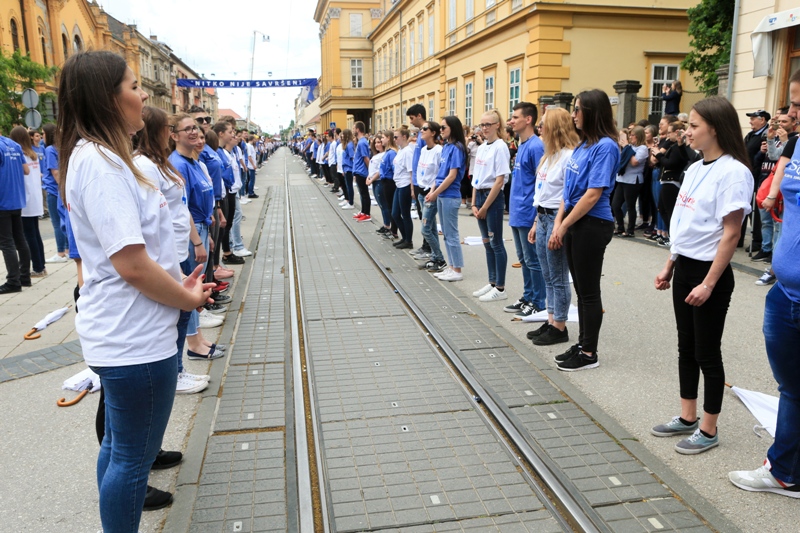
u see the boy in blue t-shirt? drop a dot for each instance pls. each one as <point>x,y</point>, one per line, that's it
<point>15,249</point>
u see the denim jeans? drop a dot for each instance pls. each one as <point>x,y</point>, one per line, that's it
<point>237,243</point>
<point>138,402</point>
<point>782,337</point>
<point>555,269</point>
<point>429,230</point>
<point>386,210</point>
<point>348,184</point>
<point>401,212</point>
<point>659,222</point>
<point>251,180</point>
<point>202,230</point>
<point>492,232</point>
<point>30,226</point>
<point>55,220</point>
<point>767,230</point>
<point>448,218</point>
<point>534,288</point>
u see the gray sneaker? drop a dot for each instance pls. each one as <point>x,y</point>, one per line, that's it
<point>674,427</point>
<point>419,251</point>
<point>697,443</point>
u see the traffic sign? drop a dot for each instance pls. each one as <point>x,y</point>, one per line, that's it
<point>33,119</point>
<point>333,125</point>
<point>30,99</point>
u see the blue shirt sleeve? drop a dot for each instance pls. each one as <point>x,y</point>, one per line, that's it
<point>605,164</point>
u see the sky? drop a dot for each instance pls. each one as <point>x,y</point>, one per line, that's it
<point>218,44</point>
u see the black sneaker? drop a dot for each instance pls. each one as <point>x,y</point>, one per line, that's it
<point>516,306</point>
<point>404,245</point>
<point>579,361</point>
<point>216,308</point>
<point>574,349</point>
<point>155,499</point>
<point>382,230</point>
<point>221,299</point>
<point>538,331</point>
<point>7,289</point>
<point>252,196</point>
<point>166,460</point>
<point>766,257</point>
<point>436,266</point>
<point>527,310</point>
<point>233,260</point>
<point>552,336</point>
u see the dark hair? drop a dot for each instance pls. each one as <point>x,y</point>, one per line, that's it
<point>783,111</point>
<point>670,118</point>
<point>416,109</point>
<point>212,140</point>
<point>196,109</point>
<point>347,136</point>
<point>678,87</point>
<point>643,123</point>
<point>598,118</point>
<point>221,127</point>
<point>50,134</point>
<point>19,135</point>
<point>90,111</point>
<point>435,128</point>
<point>529,110</point>
<point>359,126</point>
<point>457,134</point>
<point>148,142</point>
<point>338,131</point>
<point>720,114</point>
<point>229,119</point>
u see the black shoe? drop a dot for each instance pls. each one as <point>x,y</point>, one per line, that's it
<point>8,289</point>
<point>527,310</point>
<point>166,460</point>
<point>232,260</point>
<point>252,196</point>
<point>766,257</point>
<point>216,309</point>
<point>579,361</point>
<point>221,299</point>
<point>574,349</point>
<point>538,331</point>
<point>516,306</point>
<point>404,245</point>
<point>435,266</point>
<point>25,283</point>
<point>382,230</point>
<point>156,499</point>
<point>552,336</point>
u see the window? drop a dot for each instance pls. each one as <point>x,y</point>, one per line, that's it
<point>391,60</point>
<point>513,89</point>
<point>661,74</point>
<point>397,58</point>
<point>470,9</point>
<point>411,47</point>
<point>451,16</point>
<point>794,61</point>
<point>14,35</point>
<point>65,45</point>
<point>430,109</point>
<point>431,35</point>
<point>488,95</point>
<point>468,103</point>
<point>44,46</point>
<point>356,74</point>
<point>355,24</point>
<point>397,115</point>
<point>489,3</point>
<point>452,102</point>
<point>516,4</point>
<point>77,44</point>
<point>420,42</point>
<point>403,55</point>
<point>387,63</point>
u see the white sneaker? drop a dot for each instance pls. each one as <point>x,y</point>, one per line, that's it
<point>255,187</point>
<point>207,320</point>
<point>190,386</point>
<point>194,377</point>
<point>493,295</point>
<point>442,273</point>
<point>483,290</point>
<point>451,276</point>
<point>343,203</point>
<point>244,252</point>
<point>347,206</point>
<point>244,201</point>
<point>762,480</point>
<point>340,197</point>
<point>57,259</point>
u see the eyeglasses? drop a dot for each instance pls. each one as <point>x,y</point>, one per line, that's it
<point>577,109</point>
<point>425,128</point>
<point>487,124</point>
<point>396,137</point>
<point>187,130</point>
<point>201,120</point>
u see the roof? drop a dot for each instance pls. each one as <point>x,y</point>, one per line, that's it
<point>211,91</point>
<point>118,29</point>
<point>228,112</point>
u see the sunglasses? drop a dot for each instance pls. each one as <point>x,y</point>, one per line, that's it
<point>424,128</point>
<point>201,120</point>
<point>187,130</point>
<point>487,124</point>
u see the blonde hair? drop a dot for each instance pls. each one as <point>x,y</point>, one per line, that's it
<point>501,127</point>
<point>638,134</point>
<point>558,132</point>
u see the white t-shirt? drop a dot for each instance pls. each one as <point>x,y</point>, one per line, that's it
<point>176,199</point>
<point>402,166</point>
<point>491,160</point>
<point>33,189</point>
<point>709,192</point>
<point>375,164</point>
<point>550,180</point>
<point>428,166</point>
<point>237,176</point>
<point>251,155</point>
<point>339,163</point>
<point>109,210</point>
<point>332,152</point>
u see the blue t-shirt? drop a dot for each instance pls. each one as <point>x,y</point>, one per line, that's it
<point>214,166</point>
<point>521,212</point>
<point>362,151</point>
<point>228,178</point>
<point>199,190</point>
<point>50,162</point>
<point>39,149</point>
<point>784,257</point>
<point>387,165</point>
<point>12,176</point>
<point>452,157</point>
<point>415,162</point>
<point>592,167</point>
<point>347,157</point>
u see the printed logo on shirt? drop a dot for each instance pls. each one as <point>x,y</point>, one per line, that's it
<point>685,201</point>
<point>793,169</point>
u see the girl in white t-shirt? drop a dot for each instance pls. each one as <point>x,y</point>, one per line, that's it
<point>33,201</point>
<point>492,164</point>
<point>377,150</point>
<point>401,205</point>
<point>704,229</point>
<point>132,290</point>
<point>430,158</point>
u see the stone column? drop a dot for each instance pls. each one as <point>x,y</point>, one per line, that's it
<point>627,90</point>
<point>544,102</point>
<point>563,100</point>
<point>722,78</point>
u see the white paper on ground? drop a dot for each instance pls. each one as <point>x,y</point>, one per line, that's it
<point>86,379</point>
<point>473,241</point>
<point>541,316</point>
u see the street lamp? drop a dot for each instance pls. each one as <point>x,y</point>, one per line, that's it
<point>264,39</point>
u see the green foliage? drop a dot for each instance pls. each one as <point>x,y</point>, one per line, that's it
<point>17,73</point>
<point>711,28</point>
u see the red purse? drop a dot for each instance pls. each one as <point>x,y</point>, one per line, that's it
<point>763,192</point>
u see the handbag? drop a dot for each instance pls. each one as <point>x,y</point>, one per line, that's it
<point>763,192</point>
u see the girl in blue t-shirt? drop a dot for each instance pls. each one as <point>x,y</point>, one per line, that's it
<point>584,224</point>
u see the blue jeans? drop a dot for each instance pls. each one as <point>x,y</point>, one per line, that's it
<point>554,269</point>
<point>138,402</point>
<point>237,243</point>
<point>386,210</point>
<point>348,186</point>
<point>429,230</point>
<point>251,181</point>
<point>243,190</point>
<point>767,230</point>
<point>401,212</point>
<point>448,218</point>
<point>55,219</point>
<point>492,232</point>
<point>782,337</point>
<point>533,283</point>
<point>202,230</point>
<point>656,194</point>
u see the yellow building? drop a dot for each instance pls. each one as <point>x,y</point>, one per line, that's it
<point>464,56</point>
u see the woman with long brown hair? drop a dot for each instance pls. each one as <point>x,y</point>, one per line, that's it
<point>132,290</point>
<point>33,206</point>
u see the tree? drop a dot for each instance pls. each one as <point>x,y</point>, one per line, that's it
<point>711,30</point>
<point>17,73</point>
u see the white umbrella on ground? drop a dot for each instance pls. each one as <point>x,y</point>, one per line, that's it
<point>763,406</point>
<point>43,323</point>
<point>84,382</point>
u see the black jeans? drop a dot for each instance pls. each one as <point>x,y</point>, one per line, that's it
<point>666,202</point>
<point>585,244</point>
<point>30,226</point>
<point>700,331</point>
<point>387,188</point>
<point>626,193</point>
<point>15,248</point>
<point>363,192</point>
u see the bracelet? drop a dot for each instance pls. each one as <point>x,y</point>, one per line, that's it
<point>198,244</point>
<point>706,288</point>
<point>771,197</point>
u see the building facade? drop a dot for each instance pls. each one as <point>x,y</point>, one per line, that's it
<point>463,57</point>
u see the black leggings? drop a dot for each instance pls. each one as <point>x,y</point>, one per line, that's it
<point>30,226</point>
<point>229,210</point>
<point>585,244</point>
<point>363,192</point>
<point>700,331</point>
<point>387,188</point>
<point>626,193</point>
<point>666,201</point>
<point>466,188</point>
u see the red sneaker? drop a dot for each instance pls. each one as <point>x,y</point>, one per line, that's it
<point>365,218</point>
<point>358,215</point>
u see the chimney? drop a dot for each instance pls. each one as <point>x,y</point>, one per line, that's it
<point>154,37</point>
